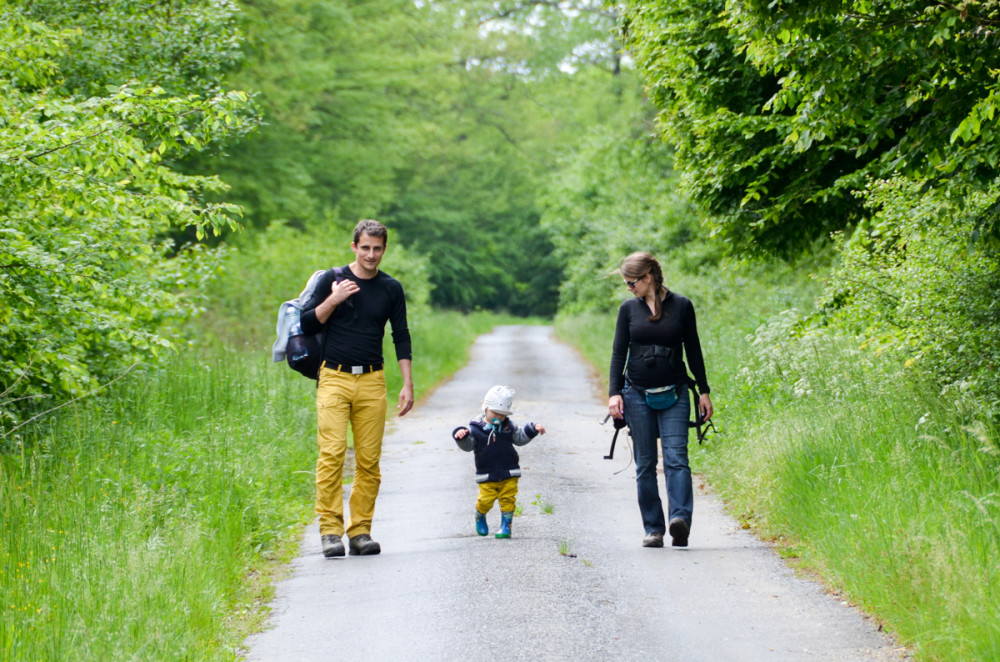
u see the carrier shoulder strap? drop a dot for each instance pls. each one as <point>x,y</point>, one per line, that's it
<point>338,275</point>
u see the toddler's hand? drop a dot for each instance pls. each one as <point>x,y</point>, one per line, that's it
<point>539,429</point>
<point>460,434</point>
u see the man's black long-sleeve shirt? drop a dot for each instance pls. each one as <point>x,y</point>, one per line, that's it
<point>355,328</point>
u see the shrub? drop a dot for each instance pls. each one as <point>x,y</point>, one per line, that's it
<point>922,280</point>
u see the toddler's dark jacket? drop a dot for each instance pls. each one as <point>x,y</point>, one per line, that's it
<point>496,458</point>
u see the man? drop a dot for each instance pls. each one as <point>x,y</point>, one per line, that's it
<point>351,386</point>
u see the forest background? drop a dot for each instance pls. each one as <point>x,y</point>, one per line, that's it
<point>821,180</point>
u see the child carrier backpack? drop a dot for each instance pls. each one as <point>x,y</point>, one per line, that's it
<point>303,352</point>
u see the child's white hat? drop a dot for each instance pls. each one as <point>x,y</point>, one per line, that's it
<point>500,399</point>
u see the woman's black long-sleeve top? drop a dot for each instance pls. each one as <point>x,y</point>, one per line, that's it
<point>676,329</point>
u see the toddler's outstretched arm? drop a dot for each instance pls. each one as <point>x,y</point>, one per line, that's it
<point>522,435</point>
<point>463,437</point>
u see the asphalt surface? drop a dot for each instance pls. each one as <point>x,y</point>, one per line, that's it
<point>571,584</point>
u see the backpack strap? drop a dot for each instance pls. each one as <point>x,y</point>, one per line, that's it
<point>338,275</point>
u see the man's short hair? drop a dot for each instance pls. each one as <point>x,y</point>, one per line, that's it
<point>372,229</point>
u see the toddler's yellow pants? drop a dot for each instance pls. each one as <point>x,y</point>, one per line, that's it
<point>504,491</point>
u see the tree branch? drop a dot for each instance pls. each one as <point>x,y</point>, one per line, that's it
<point>555,4</point>
<point>32,157</point>
<point>69,402</point>
<point>118,122</point>
<point>18,380</point>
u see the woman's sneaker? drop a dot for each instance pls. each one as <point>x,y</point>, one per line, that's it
<point>679,530</point>
<point>654,539</point>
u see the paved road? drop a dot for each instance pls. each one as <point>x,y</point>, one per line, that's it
<point>441,592</point>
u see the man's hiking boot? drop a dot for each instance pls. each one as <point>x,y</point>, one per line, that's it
<point>363,545</point>
<point>481,527</point>
<point>679,530</point>
<point>332,545</point>
<point>654,539</point>
<point>505,519</point>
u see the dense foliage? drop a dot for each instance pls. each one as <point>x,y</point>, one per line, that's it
<point>89,279</point>
<point>918,284</point>
<point>443,119</point>
<point>781,110</point>
<point>614,195</point>
<point>792,120</point>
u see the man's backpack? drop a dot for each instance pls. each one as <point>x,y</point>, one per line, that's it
<point>303,352</point>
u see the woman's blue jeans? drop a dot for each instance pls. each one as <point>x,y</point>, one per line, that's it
<point>671,427</point>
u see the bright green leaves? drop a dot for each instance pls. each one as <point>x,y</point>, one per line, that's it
<point>914,280</point>
<point>183,47</point>
<point>29,51</point>
<point>89,284</point>
<point>978,135</point>
<point>810,108</point>
<point>831,92</point>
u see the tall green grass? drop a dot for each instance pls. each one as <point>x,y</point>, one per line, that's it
<point>851,463</point>
<point>882,486</point>
<point>130,522</point>
<point>136,525</point>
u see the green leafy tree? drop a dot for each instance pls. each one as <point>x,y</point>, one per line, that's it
<point>780,111</point>
<point>793,119</point>
<point>345,89</point>
<point>89,281</point>
<point>441,118</point>
<point>614,195</point>
<point>182,47</point>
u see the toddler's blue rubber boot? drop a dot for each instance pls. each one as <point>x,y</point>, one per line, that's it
<point>481,527</point>
<point>505,520</point>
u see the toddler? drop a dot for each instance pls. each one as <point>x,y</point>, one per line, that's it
<point>492,438</point>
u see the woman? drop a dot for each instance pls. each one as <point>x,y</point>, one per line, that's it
<point>653,330</point>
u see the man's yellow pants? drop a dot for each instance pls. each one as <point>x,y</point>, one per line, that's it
<point>343,398</point>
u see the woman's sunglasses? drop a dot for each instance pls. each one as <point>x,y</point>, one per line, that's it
<point>631,283</point>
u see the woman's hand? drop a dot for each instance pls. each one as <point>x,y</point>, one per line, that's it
<point>616,406</point>
<point>705,404</point>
